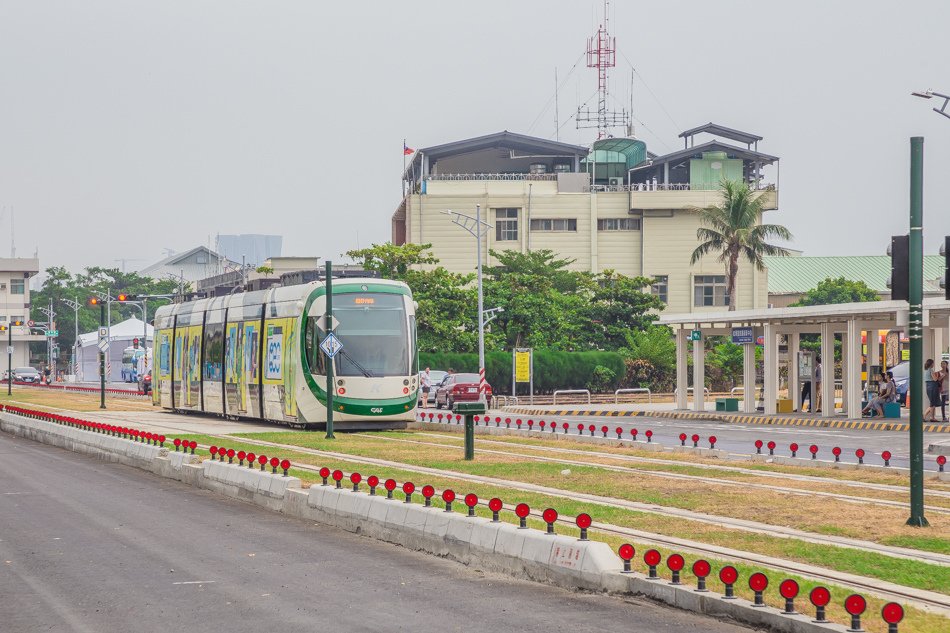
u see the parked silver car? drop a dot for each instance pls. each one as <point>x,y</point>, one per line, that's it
<point>435,379</point>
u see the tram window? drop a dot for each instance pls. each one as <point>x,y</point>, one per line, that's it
<point>213,348</point>
<point>315,356</point>
<point>375,336</point>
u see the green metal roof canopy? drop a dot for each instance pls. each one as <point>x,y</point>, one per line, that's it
<point>629,151</point>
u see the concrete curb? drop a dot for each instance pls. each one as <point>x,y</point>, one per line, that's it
<point>554,559</point>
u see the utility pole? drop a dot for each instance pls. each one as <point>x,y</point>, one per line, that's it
<point>102,360</point>
<point>915,329</point>
<point>329,318</point>
<point>74,304</point>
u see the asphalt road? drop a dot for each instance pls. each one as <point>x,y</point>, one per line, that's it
<point>89,546</point>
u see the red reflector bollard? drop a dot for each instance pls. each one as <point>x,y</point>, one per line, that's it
<point>471,500</point>
<point>495,506</point>
<point>338,477</point>
<point>161,438</point>
<point>427,494</point>
<point>214,452</point>
<point>836,451</point>
<point>390,485</point>
<point>458,419</point>
<point>241,455</point>
<point>542,424</point>
<point>591,428</point>
<point>682,439</point>
<point>701,570</point>
<point>262,460</point>
<point>892,613</point>
<point>231,454</point>
<point>633,433</point>
<point>649,435</point>
<point>813,449</point>
<point>583,521</point>
<point>941,462</point>
<point>771,447</point>
<point>285,466</point>
<point>855,605</point>
<point>477,418</point>
<point>530,425</point>
<point>580,429</point>
<point>886,455</point>
<point>757,583</point>
<point>497,422</point>
<point>565,427</point>
<point>789,590</point>
<point>324,472</point>
<point>712,441</point>
<point>177,443</point>
<point>448,496</point>
<point>372,482</point>
<point>193,445</point>
<point>820,597</point>
<point>860,455</point>
<point>675,563</point>
<point>604,430</point>
<point>522,511</point>
<point>626,552</point>
<point>652,558</point>
<point>251,457</point>
<point>408,488</point>
<point>518,423</point>
<point>507,423</point>
<point>355,479</point>
<point>549,516</point>
<point>695,439</point>
<point>794,448</point>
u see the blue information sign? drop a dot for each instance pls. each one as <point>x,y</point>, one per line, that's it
<point>741,335</point>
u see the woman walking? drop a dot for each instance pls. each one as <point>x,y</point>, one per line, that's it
<point>932,389</point>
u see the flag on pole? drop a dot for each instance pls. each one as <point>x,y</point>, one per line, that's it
<point>406,150</point>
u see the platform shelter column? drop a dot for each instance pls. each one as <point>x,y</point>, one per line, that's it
<point>682,401</point>
<point>699,375</point>
<point>827,397</point>
<point>770,369</point>
<point>851,378</point>
<point>748,377</point>
<point>793,391</point>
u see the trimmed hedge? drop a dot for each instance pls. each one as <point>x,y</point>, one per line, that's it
<point>552,370</point>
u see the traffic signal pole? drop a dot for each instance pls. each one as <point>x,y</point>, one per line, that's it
<point>10,360</point>
<point>102,360</point>
<point>915,329</point>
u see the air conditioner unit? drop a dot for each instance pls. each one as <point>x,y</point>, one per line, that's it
<point>617,181</point>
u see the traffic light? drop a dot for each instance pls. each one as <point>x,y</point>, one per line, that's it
<point>125,297</point>
<point>899,283</point>
<point>94,301</point>
<point>945,281</point>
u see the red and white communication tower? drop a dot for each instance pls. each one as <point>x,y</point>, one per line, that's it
<point>602,55</point>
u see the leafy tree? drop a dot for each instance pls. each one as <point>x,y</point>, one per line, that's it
<point>391,261</point>
<point>618,306</point>
<point>732,230</point>
<point>839,290</point>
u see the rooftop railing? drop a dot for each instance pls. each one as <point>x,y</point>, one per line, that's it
<point>550,177</point>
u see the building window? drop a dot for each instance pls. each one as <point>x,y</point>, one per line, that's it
<point>544,224</point>
<point>506,225</point>
<point>710,290</point>
<point>618,224</point>
<point>661,287</point>
<point>16,286</point>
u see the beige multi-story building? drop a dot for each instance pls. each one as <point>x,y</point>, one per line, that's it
<point>614,206</point>
<point>15,276</point>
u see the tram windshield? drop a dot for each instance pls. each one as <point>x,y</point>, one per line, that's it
<point>374,331</point>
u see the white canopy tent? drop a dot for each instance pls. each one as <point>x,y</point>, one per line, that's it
<point>120,337</point>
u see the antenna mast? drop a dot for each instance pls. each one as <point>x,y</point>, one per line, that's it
<point>602,55</point>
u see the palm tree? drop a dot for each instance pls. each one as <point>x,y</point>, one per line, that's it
<point>732,230</point>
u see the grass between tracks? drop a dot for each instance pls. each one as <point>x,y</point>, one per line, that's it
<point>820,515</point>
<point>48,398</point>
<point>900,571</point>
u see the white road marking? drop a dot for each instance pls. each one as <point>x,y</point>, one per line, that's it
<point>194,582</point>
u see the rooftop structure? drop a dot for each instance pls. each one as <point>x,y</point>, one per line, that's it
<point>615,205</point>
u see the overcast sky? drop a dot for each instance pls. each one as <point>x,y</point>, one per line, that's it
<point>128,126</point>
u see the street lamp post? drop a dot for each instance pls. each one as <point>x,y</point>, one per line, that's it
<point>930,94</point>
<point>477,229</point>
<point>75,305</point>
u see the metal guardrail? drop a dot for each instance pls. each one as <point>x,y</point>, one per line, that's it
<point>690,390</point>
<point>567,391</point>
<point>634,390</point>
<point>444,177</point>
<point>504,401</point>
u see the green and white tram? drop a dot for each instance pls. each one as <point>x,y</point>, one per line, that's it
<point>257,355</point>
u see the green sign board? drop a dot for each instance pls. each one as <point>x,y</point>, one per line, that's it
<point>52,332</point>
<point>696,335</point>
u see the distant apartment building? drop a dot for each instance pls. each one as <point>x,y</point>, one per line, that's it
<point>612,206</point>
<point>15,276</point>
